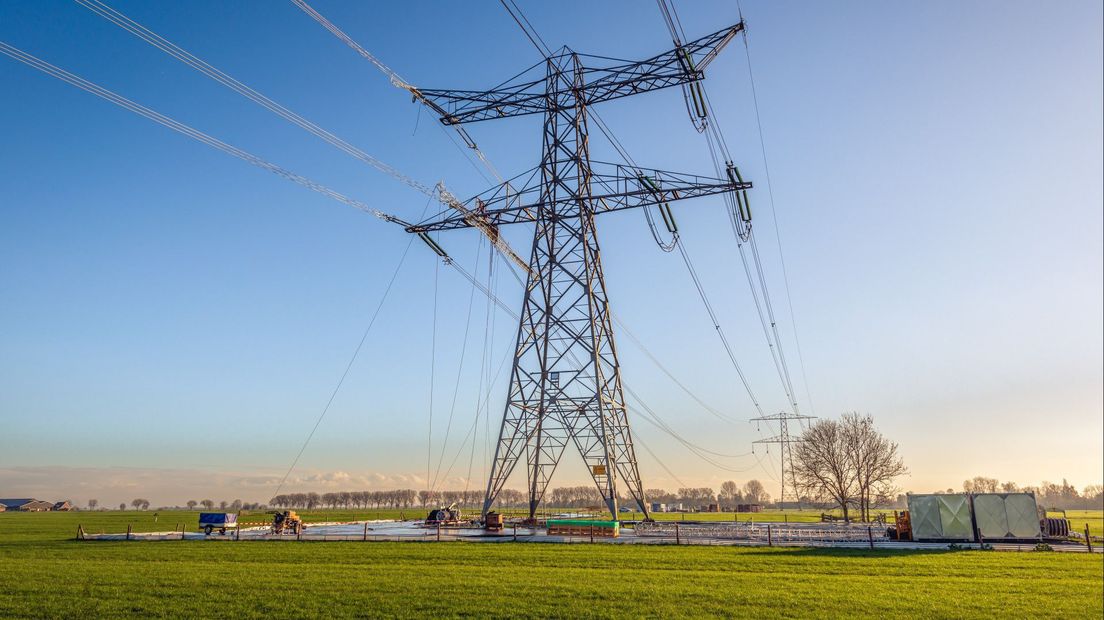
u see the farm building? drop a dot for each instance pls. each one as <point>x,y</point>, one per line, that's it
<point>27,505</point>
<point>63,507</point>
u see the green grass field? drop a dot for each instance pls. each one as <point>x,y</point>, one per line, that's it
<point>45,574</point>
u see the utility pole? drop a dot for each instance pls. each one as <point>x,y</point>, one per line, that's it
<point>565,384</point>
<point>786,441</point>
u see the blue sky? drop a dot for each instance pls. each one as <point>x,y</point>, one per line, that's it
<point>172,320</point>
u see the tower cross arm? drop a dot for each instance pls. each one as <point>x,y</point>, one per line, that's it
<point>614,188</point>
<point>681,65</point>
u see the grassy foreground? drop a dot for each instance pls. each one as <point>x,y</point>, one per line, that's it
<point>45,575</point>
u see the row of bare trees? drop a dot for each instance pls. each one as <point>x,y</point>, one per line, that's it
<point>561,497</point>
<point>1049,494</point>
<point>730,495</point>
<point>395,498</point>
<point>847,463</point>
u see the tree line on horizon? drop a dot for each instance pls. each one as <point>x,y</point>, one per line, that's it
<point>1062,496</point>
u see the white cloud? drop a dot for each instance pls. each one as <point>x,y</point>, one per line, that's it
<point>170,487</point>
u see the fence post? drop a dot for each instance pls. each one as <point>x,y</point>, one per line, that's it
<point>365,533</point>
<point>299,532</point>
<point>128,531</point>
<point>80,533</point>
<point>515,532</point>
<point>770,541</point>
<point>676,533</point>
<point>438,531</point>
<point>591,533</point>
<point>870,535</point>
<point>182,528</point>
<point>237,531</point>
<point>1088,539</point>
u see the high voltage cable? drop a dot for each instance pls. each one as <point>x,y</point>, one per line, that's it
<point>774,217</point>
<point>132,106</point>
<point>655,419</point>
<point>348,367</point>
<point>394,77</point>
<point>439,192</point>
<point>459,372</point>
<point>716,142</point>
<point>534,37</point>
<point>624,328</point>
<point>191,132</point>
<point>617,145</point>
<point>186,57</point>
<point>717,327</point>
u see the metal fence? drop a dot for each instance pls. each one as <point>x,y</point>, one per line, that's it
<point>764,532</point>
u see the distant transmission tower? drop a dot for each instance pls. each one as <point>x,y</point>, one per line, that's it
<point>565,385</point>
<point>784,439</point>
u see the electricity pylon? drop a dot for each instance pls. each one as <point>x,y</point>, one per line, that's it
<point>565,385</point>
<point>785,440</point>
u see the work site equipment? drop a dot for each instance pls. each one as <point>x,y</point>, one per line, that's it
<point>221,521</point>
<point>449,515</point>
<point>565,384</point>
<point>1006,516</point>
<point>583,527</point>
<point>494,522</point>
<point>286,522</point>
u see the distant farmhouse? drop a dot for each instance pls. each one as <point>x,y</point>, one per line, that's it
<point>32,505</point>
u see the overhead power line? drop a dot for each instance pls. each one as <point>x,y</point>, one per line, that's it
<point>394,78</point>
<point>186,57</point>
<point>439,192</point>
<point>186,130</point>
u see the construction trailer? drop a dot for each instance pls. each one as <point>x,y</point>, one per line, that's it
<point>1006,516</point>
<point>970,517</point>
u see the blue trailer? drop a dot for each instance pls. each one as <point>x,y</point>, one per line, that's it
<point>221,521</point>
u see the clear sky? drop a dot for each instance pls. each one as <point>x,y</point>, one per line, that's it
<point>173,320</point>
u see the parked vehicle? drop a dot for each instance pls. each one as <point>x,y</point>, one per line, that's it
<point>221,521</point>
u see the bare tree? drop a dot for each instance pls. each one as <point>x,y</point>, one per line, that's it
<point>137,503</point>
<point>822,465</point>
<point>424,496</point>
<point>122,506</point>
<point>92,503</point>
<point>730,493</point>
<point>981,484</point>
<point>875,462</point>
<point>755,492</point>
<point>207,503</point>
<point>192,504</point>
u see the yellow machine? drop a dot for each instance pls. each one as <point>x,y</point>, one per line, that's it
<point>903,525</point>
<point>286,522</point>
<point>494,522</point>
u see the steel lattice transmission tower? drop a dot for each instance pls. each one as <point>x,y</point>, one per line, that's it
<point>786,441</point>
<point>565,385</point>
